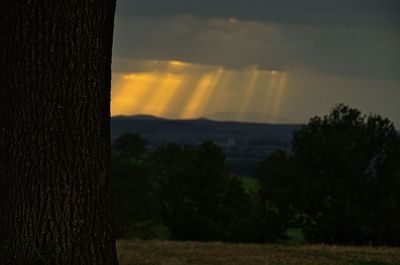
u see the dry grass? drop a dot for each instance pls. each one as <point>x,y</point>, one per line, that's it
<point>185,253</point>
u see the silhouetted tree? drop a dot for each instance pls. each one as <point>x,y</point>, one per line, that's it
<point>277,195</point>
<point>55,73</point>
<point>384,219</point>
<point>136,206</point>
<point>238,214</point>
<point>130,145</point>
<point>345,162</point>
<point>190,190</point>
<point>198,198</point>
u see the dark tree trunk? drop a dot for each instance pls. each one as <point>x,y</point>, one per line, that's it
<point>55,73</point>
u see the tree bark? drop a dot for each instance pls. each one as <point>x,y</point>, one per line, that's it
<point>55,79</point>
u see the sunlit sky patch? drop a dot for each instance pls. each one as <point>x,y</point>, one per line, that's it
<point>199,60</point>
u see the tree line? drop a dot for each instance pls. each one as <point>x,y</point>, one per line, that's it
<point>338,185</point>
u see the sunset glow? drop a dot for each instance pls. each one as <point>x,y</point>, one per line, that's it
<point>255,64</point>
<point>182,90</point>
<point>201,95</point>
<point>248,92</point>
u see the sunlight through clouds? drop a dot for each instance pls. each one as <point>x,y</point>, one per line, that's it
<point>129,91</point>
<point>201,95</point>
<point>163,94</point>
<point>175,89</point>
<point>306,63</point>
<point>279,95</point>
<point>269,98</point>
<point>248,92</point>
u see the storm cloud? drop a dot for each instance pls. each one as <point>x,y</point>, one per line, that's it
<point>321,12</point>
<point>233,43</point>
<point>254,59</point>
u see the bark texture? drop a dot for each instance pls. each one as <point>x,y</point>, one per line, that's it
<point>55,74</point>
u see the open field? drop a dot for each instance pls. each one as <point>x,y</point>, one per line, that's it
<point>193,253</point>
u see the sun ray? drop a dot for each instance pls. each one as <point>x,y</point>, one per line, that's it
<point>118,81</point>
<point>280,91</point>
<point>178,102</point>
<point>135,90</point>
<point>183,90</point>
<point>162,94</point>
<point>129,91</point>
<point>211,91</point>
<point>220,98</point>
<point>159,96</point>
<point>248,93</point>
<point>146,98</point>
<point>269,100</point>
<point>201,94</point>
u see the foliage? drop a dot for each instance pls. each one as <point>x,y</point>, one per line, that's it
<point>239,214</point>
<point>129,145</point>
<point>339,185</point>
<point>278,186</point>
<point>340,180</point>
<point>200,201</point>
<point>341,158</point>
<point>136,207</point>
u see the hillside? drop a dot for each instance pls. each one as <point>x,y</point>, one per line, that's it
<point>239,140</point>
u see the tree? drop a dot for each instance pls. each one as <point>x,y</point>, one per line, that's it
<point>238,214</point>
<point>278,195</point>
<point>199,200</point>
<point>191,180</point>
<point>55,73</point>
<point>339,183</point>
<point>135,190</point>
<point>385,220</point>
<point>346,164</point>
<point>129,145</point>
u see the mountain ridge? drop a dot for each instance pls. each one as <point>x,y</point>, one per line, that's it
<point>152,117</point>
<point>247,140</point>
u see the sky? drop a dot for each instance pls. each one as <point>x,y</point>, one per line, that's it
<point>256,60</point>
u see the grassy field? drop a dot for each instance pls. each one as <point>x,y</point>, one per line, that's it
<point>185,253</point>
<point>250,184</point>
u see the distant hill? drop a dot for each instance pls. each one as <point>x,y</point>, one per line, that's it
<point>240,140</point>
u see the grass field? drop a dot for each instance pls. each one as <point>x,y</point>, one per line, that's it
<point>250,184</point>
<point>185,253</point>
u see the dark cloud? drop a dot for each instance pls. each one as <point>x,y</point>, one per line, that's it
<point>334,50</point>
<point>365,52</point>
<point>322,12</point>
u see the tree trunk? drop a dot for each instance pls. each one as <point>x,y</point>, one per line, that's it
<point>55,78</point>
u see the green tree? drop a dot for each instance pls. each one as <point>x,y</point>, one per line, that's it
<point>345,164</point>
<point>384,226</point>
<point>200,201</point>
<point>238,215</point>
<point>129,145</point>
<point>277,195</point>
<point>136,207</point>
<point>190,190</point>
